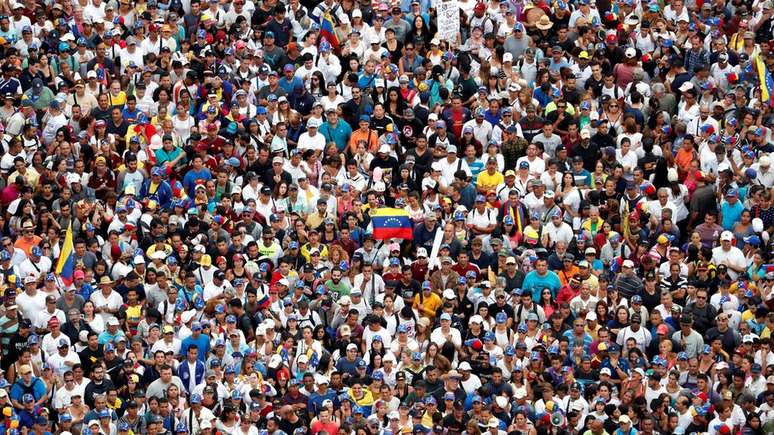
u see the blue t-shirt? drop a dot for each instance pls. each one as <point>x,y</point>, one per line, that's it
<point>202,342</point>
<point>535,283</point>
<point>731,214</point>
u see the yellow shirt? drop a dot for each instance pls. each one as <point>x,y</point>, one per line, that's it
<point>117,100</point>
<point>486,181</point>
<point>430,305</point>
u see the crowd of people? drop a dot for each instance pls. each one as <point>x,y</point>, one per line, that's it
<point>363,217</point>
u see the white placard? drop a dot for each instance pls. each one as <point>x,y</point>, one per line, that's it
<point>448,21</point>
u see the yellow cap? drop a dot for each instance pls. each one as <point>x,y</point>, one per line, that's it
<point>583,55</point>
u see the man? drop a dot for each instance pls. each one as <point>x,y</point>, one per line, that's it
<point>541,278</point>
<point>690,340</point>
<point>159,387</point>
<point>729,255</point>
<point>636,332</point>
<point>191,372</point>
<point>28,384</point>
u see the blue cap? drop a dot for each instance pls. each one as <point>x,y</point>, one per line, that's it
<point>510,351</point>
<point>4,255</point>
<point>104,414</point>
<point>489,336</point>
<point>181,427</point>
<point>231,318</point>
<point>361,363</point>
<point>65,417</point>
<point>402,328</point>
<point>236,395</point>
<point>430,400</point>
<point>427,285</point>
<point>36,251</point>
<point>123,426</point>
<point>109,347</point>
<point>501,317</point>
<point>28,398</point>
<point>196,399</point>
<point>196,326</point>
<point>379,376</point>
<point>480,198</point>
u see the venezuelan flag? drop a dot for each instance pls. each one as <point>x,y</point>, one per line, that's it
<point>328,31</point>
<point>766,81</point>
<point>65,265</point>
<point>392,223</point>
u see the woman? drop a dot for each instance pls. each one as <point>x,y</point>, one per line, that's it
<point>395,106</point>
<point>743,228</point>
<point>631,132</point>
<point>620,321</point>
<point>317,86</point>
<point>183,122</point>
<point>177,404</point>
<point>228,423</point>
<point>331,99</point>
<point>548,303</point>
<point>25,212</point>
<point>417,39</point>
<point>422,336</point>
<point>311,166</point>
<point>284,112</point>
<point>611,111</point>
<point>92,319</point>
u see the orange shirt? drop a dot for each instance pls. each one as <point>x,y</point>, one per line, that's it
<point>370,137</point>
<point>26,245</point>
<point>684,157</point>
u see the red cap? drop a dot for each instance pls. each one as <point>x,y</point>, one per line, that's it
<point>220,259</point>
<point>611,39</point>
<point>662,329</point>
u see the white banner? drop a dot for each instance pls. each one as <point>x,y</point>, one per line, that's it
<point>448,21</point>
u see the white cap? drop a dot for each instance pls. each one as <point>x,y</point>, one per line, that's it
<point>139,259</point>
<point>605,371</point>
<point>628,263</point>
<point>476,319</point>
<point>764,161</point>
<point>351,346</point>
<point>435,41</point>
<point>686,86</point>
<point>507,57</point>
<point>449,294</point>
<point>385,149</point>
<point>374,39</point>
<point>312,123</point>
<point>501,401</point>
<point>585,133</point>
<point>726,236</point>
<point>422,252</point>
<point>357,13</point>
<point>591,316</point>
<point>465,366</point>
<point>630,52</point>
